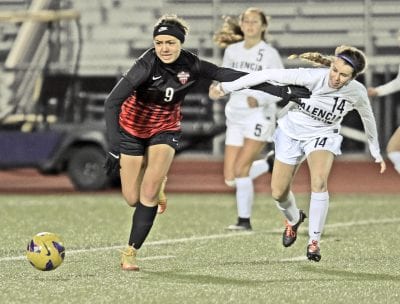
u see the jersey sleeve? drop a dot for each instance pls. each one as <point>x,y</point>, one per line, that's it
<point>364,108</point>
<point>211,71</point>
<point>140,70</point>
<point>301,77</point>
<point>390,87</point>
<point>271,60</point>
<point>263,98</point>
<point>112,107</point>
<point>125,87</point>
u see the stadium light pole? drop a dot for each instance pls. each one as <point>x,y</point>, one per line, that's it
<point>216,19</point>
<point>370,53</point>
<point>368,38</point>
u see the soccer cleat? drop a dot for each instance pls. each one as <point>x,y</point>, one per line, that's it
<point>313,252</point>
<point>290,233</point>
<point>128,259</point>
<point>270,158</point>
<point>162,198</point>
<point>241,225</point>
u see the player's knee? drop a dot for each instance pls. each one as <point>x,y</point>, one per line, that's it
<point>131,199</point>
<point>242,170</point>
<point>149,193</point>
<point>279,192</point>
<point>319,184</point>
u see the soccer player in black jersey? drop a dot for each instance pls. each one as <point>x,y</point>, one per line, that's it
<point>143,115</point>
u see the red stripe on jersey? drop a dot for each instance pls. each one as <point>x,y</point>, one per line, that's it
<point>143,120</point>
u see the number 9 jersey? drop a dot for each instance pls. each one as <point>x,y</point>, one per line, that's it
<point>158,90</point>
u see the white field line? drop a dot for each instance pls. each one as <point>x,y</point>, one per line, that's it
<point>294,259</point>
<point>215,236</point>
<point>354,223</point>
<point>154,243</point>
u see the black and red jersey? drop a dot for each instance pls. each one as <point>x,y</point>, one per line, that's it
<point>147,99</point>
<point>155,105</point>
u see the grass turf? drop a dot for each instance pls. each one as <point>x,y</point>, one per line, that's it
<point>190,258</point>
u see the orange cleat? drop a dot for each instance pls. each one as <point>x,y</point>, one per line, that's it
<point>128,259</point>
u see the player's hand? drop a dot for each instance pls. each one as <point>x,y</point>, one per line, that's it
<point>287,93</point>
<point>215,91</point>
<point>372,92</point>
<point>383,166</point>
<point>112,165</point>
<point>294,93</point>
<point>252,102</point>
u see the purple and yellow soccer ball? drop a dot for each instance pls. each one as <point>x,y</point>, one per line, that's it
<point>45,251</point>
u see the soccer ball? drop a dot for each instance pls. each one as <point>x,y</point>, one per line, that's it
<point>45,251</point>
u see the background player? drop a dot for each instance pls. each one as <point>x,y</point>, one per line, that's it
<point>393,146</point>
<point>250,116</point>
<point>311,128</point>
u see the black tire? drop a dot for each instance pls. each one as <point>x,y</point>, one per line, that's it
<point>85,169</point>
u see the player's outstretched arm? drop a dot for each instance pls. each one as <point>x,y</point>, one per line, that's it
<point>287,93</point>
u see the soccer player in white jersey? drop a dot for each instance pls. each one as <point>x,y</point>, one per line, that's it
<point>310,129</point>
<point>250,116</point>
<point>393,146</point>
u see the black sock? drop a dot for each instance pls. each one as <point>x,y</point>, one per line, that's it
<point>142,221</point>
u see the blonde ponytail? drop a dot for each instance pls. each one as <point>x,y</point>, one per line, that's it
<point>315,58</point>
<point>229,32</point>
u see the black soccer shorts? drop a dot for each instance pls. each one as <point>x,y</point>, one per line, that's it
<point>136,146</point>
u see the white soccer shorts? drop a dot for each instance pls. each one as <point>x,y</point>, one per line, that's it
<point>292,151</point>
<point>255,126</point>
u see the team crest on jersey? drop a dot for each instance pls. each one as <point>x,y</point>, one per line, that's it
<point>183,77</point>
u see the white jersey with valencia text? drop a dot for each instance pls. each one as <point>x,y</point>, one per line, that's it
<point>259,57</point>
<point>323,112</point>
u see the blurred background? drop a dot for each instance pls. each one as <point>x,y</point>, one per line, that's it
<point>60,58</point>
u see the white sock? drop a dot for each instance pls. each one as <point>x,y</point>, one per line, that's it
<point>395,159</point>
<point>244,196</point>
<point>319,205</point>
<point>289,209</point>
<point>258,167</point>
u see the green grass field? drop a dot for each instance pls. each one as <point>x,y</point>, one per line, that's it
<point>190,258</point>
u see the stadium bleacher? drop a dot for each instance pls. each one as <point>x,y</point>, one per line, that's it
<point>115,32</point>
<point>294,25</point>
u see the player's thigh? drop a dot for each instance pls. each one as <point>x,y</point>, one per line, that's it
<point>320,165</point>
<point>230,156</point>
<point>320,153</point>
<point>281,180</point>
<point>288,157</point>
<point>394,141</point>
<point>130,173</point>
<point>234,140</point>
<point>249,152</point>
<point>159,160</point>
